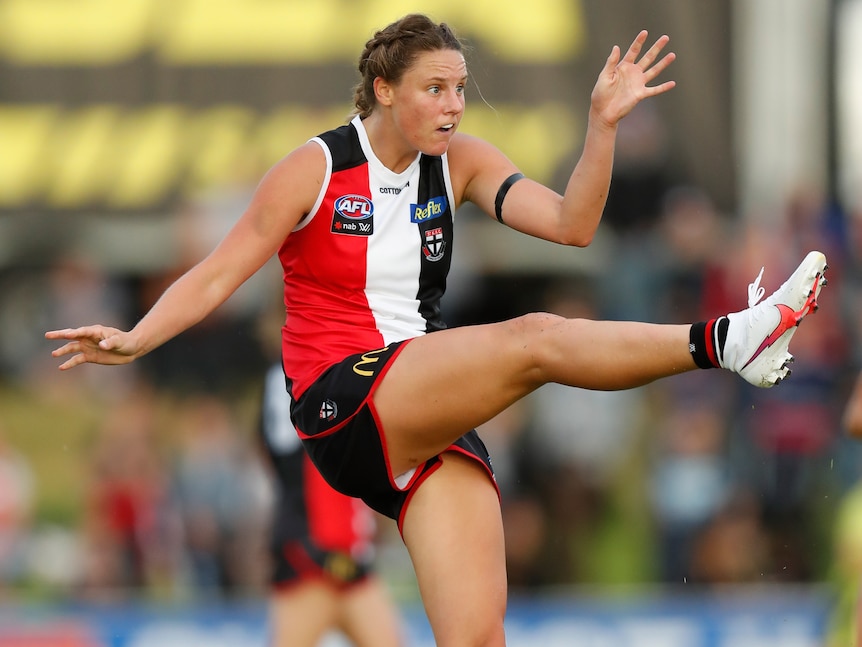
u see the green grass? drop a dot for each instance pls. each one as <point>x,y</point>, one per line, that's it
<point>54,438</point>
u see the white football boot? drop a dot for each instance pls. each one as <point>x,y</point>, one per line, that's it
<point>757,338</point>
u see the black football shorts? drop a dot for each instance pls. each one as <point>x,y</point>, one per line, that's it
<point>336,419</point>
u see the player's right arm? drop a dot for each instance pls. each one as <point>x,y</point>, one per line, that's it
<point>285,194</point>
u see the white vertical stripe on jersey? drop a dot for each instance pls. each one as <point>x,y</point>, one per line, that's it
<point>395,251</point>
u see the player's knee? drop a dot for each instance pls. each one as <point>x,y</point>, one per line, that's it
<point>535,324</point>
<point>534,333</point>
<point>536,340</point>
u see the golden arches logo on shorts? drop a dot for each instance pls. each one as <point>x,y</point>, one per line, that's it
<point>368,358</point>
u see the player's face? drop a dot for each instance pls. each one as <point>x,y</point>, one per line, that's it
<point>428,102</point>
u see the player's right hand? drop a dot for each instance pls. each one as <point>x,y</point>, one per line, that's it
<point>94,344</point>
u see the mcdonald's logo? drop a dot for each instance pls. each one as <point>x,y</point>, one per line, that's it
<point>368,358</point>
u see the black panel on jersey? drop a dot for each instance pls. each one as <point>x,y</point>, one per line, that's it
<point>344,145</point>
<point>435,267</point>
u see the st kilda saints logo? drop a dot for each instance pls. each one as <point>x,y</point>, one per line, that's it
<point>328,411</point>
<point>435,246</point>
<point>353,215</point>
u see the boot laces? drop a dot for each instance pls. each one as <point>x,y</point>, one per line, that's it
<point>755,290</point>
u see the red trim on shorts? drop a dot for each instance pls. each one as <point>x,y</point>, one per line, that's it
<point>418,480</point>
<point>387,366</point>
<point>367,400</point>
<point>422,475</point>
<point>379,426</point>
<point>458,450</point>
<point>304,436</point>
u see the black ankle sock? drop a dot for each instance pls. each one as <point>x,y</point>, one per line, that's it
<point>706,341</point>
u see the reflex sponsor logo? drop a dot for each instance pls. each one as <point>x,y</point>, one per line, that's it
<point>434,208</point>
<point>353,215</point>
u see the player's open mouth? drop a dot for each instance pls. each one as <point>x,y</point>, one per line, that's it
<point>446,128</point>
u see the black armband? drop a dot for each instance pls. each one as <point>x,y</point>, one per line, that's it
<point>502,191</point>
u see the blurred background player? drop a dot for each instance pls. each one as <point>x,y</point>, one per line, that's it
<point>321,545</point>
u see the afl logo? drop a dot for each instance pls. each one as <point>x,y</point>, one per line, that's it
<point>355,207</point>
<point>353,215</point>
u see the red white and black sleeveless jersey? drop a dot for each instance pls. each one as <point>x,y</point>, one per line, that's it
<point>368,265</point>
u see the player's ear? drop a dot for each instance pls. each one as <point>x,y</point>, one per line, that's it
<point>383,91</point>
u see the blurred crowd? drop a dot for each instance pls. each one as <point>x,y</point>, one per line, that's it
<point>699,480</point>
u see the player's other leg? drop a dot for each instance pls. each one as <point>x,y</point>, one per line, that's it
<point>453,530</point>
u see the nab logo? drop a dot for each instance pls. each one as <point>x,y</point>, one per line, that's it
<point>355,207</point>
<point>353,215</point>
<point>434,208</point>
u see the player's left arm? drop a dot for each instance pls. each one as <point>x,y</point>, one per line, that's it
<point>530,207</point>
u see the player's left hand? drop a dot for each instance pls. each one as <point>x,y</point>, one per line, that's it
<point>623,83</point>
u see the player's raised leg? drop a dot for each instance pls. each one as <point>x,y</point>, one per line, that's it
<point>446,383</point>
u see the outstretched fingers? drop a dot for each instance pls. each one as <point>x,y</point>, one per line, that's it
<point>660,66</point>
<point>73,361</point>
<point>96,344</point>
<point>652,53</point>
<point>613,60</point>
<point>636,47</point>
<point>650,63</point>
<point>91,333</point>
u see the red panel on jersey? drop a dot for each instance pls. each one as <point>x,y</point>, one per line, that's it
<point>325,272</point>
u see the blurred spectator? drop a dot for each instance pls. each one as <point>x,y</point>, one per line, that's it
<point>73,290</point>
<point>526,522</point>
<point>692,240</point>
<point>690,482</point>
<point>642,173</point>
<point>220,490</point>
<point>197,358</point>
<point>524,515</point>
<point>17,489</point>
<point>129,534</point>
<point>577,446</point>
<point>732,546</point>
<point>642,177</point>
